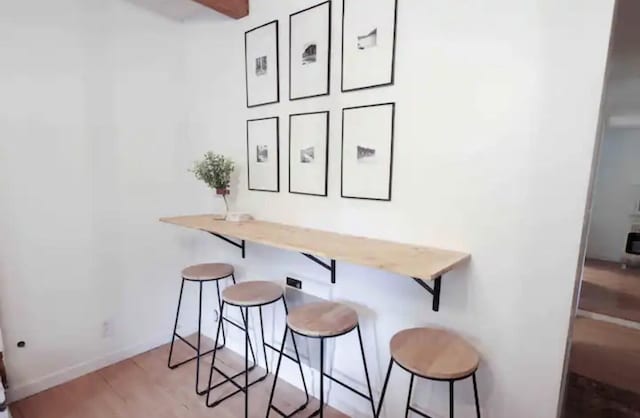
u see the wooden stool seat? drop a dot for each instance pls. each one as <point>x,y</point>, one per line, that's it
<point>255,293</point>
<point>209,271</point>
<point>434,353</point>
<point>322,319</point>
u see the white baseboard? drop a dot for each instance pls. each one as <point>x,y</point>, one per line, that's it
<point>62,376</point>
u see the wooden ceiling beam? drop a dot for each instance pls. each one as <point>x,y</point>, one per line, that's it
<point>235,9</point>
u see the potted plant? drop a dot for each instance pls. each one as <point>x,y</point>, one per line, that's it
<point>215,170</point>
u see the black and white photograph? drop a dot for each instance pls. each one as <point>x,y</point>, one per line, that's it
<point>368,43</point>
<point>365,154</point>
<point>263,154</point>
<point>262,65</point>
<point>308,153</point>
<point>367,151</point>
<point>310,51</point>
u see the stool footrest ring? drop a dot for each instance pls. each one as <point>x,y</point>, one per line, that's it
<point>229,379</point>
<point>282,414</point>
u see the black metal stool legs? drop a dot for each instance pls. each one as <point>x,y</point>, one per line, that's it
<point>320,410</point>
<point>451,398</point>
<point>253,355</point>
<point>406,411</point>
<point>175,326</point>
<point>196,348</point>
<point>475,394</point>
<point>412,409</point>
<point>384,389</point>
<point>230,379</point>
<point>246,364</point>
<point>321,379</point>
<point>296,360</point>
<point>366,372</point>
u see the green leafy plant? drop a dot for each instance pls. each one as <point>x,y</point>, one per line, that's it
<point>215,170</point>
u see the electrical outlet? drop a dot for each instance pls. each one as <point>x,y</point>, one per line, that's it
<point>107,329</point>
<point>294,282</point>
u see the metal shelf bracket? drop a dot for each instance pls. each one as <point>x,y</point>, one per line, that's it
<point>331,267</point>
<point>435,290</point>
<point>240,245</point>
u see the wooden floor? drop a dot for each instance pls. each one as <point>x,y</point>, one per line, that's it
<point>604,378</point>
<point>609,290</point>
<point>604,364</point>
<point>143,387</point>
<point>606,353</point>
<point>587,398</point>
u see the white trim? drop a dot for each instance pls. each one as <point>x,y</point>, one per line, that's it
<point>62,376</point>
<point>609,319</point>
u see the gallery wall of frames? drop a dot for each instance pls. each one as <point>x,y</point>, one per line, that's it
<point>367,62</point>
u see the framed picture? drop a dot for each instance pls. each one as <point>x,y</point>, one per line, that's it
<point>262,66</point>
<point>263,154</point>
<point>368,43</point>
<point>309,153</point>
<point>310,52</point>
<point>367,151</point>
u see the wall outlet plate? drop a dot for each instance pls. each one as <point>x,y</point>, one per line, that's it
<point>294,282</point>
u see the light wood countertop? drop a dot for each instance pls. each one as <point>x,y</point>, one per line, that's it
<point>425,263</point>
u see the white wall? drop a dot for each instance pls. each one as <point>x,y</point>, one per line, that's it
<point>496,115</point>
<point>497,106</point>
<point>616,191</point>
<point>93,150</point>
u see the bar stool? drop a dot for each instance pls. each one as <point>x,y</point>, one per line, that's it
<point>245,295</point>
<point>433,354</point>
<point>201,273</point>
<point>322,320</point>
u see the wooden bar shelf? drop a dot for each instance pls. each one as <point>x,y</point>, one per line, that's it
<point>423,264</point>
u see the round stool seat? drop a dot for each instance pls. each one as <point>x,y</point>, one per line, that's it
<point>434,353</point>
<point>209,271</point>
<point>322,319</point>
<point>252,293</point>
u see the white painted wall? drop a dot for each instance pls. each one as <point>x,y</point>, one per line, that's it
<point>93,149</point>
<point>497,106</point>
<point>101,113</point>
<point>617,190</point>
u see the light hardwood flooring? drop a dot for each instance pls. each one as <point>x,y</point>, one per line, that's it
<point>609,290</point>
<point>143,386</point>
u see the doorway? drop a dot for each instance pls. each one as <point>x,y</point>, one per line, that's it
<point>604,361</point>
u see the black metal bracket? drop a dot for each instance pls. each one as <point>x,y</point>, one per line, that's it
<point>331,267</point>
<point>235,244</point>
<point>435,290</point>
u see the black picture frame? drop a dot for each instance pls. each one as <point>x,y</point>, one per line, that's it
<point>326,161</point>
<point>391,82</point>
<point>246,63</point>
<point>391,153</point>
<point>327,3</point>
<point>277,190</point>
